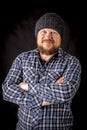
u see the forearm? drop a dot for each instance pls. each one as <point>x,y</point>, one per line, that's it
<point>55,92</point>
<point>59,93</point>
<point>59,81</point>
<point>35,93</point>
<point>16,94</point>
<point>13,93</point>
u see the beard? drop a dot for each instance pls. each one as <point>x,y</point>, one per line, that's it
<point>51,51</point>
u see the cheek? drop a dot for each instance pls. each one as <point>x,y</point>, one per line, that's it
<point>58,41</point>
<point>39,41</point>
<point>39,38</point>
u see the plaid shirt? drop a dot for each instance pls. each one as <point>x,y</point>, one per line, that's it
<point>42,84</point>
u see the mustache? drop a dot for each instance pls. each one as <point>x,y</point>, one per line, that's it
<point>48,40</point>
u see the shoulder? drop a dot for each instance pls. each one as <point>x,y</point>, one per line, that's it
<point>26,54</point>
<point>70,58</point>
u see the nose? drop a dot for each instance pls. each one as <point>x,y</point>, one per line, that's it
<point>48,35</point>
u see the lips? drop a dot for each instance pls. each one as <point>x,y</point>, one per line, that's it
<point>47,41</point>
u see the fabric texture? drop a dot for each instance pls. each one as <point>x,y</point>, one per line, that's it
<point>41,85</point>
<point>50,20</point>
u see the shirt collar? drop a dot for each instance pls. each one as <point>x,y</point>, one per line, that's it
<point>57,55</point>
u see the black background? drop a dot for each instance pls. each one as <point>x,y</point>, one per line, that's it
<point>17,34</point>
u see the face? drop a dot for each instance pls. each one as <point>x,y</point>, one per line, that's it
<point>48,41</point>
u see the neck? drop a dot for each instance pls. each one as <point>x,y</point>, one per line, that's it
<point>46,57</point>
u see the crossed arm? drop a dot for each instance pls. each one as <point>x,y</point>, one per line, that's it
<point>24,86</point>
<point>61,90</point>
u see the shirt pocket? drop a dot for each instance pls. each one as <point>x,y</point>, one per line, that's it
<point>30,75</point>
<point>53,75</point>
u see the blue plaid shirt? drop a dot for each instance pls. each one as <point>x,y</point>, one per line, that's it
<point>42,84</point>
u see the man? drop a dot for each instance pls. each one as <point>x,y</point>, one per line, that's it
<point>44,81</point>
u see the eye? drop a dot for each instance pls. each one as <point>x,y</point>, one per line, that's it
<point>43,32</point>
<point>53,32</point>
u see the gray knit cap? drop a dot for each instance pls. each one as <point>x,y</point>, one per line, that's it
<point>50,20</point>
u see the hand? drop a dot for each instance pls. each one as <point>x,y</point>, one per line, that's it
<point>60,80</point>
<point>23,85</point>
<point>44,103</point>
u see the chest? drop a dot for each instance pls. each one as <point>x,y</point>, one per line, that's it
<point>34,71</point>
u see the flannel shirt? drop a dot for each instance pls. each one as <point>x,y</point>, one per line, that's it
<point>42,84</point>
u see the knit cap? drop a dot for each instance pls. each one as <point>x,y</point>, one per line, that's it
<point>50,20</point>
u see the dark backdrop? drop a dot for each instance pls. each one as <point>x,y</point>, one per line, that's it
<point>17,35</point>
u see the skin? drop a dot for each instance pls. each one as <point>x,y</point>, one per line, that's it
<point>48,42</point>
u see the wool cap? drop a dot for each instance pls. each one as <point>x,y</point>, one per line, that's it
<point>50,20</point>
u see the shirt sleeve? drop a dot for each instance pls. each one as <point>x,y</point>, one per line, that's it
<point>64,92</point>
<point>13,93</point>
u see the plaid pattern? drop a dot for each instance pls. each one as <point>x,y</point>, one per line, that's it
<point>41,85</point>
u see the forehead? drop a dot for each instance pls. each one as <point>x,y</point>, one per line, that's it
<point>48,29</point>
